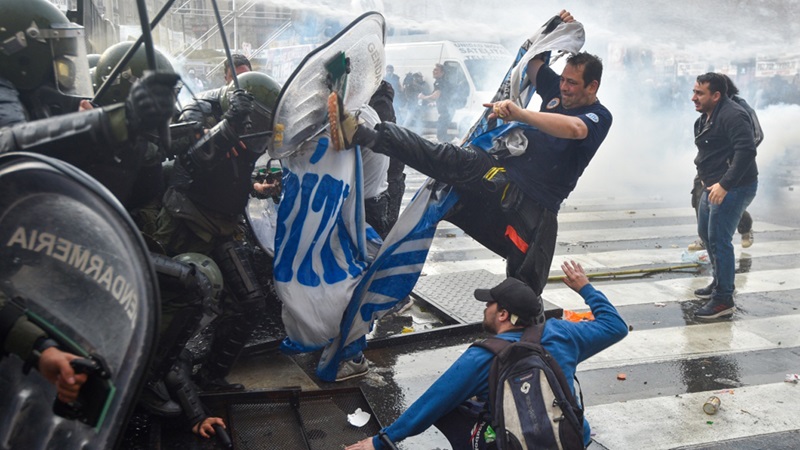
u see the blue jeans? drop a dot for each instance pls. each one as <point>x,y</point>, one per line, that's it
<point>716,225</point>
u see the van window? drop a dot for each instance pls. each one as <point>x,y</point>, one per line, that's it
<point>486,73</point>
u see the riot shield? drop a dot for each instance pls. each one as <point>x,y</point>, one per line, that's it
<point>301,113</point>
<point>71,256</point>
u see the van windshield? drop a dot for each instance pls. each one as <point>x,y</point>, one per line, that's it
<point>486,73</point>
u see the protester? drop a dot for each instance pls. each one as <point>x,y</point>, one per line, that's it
<point>510,307</point>
<point>726,165</point>
<point>509,203</point>
<point>745,226</point>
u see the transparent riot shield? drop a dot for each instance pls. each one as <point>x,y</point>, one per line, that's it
<point>301,113</point>
<point>73,259</point>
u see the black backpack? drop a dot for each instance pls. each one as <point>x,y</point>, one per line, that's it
<point>528,411</point>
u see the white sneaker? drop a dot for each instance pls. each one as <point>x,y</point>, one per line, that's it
<point>747,239</point>
<point>352,369</point>
<point>697,246</point>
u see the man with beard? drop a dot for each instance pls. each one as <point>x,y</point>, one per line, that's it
<point>510,307</point>
<point>508,201</point>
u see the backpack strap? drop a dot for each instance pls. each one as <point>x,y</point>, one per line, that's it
<point>533,333</point>
<point>495,345</point>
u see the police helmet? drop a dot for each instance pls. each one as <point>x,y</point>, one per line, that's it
<point>121,86</point>
<point>265,90</point>
<point>39,47</point>
<point>207,267</point>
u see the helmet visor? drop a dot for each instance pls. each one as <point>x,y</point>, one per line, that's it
<point>70,64</point>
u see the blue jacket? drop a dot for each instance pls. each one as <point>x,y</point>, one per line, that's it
<point>569,343</point>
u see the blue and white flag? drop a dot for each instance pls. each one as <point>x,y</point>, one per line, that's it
<point>332,273</point>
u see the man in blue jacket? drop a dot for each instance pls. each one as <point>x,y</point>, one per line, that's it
<point>726,165</point>
<point>513,308</point>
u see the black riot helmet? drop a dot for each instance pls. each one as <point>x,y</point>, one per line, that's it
<point>44,56</point>
<point>121,86</point>
<point>265,91</point>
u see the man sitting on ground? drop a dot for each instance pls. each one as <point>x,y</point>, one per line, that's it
<point>510,307</point>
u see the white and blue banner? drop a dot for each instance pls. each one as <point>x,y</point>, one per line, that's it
<point>332,272</point>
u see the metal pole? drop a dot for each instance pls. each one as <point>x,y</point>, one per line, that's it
<point>225,44</point>
<point>147,36</point>
<point>235,28</point>
<point>147,39</point>
<point>617,273</point>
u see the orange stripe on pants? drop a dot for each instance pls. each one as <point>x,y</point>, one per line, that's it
<point>520,243</point>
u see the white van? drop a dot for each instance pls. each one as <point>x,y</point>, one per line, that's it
<point>478,67</point>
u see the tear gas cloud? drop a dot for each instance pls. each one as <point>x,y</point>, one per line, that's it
<point>651,55</point>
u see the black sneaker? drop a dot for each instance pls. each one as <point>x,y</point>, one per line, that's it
<point>706,292</point>
<point>715,308</point>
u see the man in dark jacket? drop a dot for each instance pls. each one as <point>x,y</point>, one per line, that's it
<point>745,226</point>
<point>510,203</point>
<point>726,165</point>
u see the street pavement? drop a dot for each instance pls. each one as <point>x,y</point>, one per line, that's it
<point>634,250</point>
<point>671,362</point>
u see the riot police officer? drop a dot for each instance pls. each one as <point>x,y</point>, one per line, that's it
<point>209,188</point>
<point>44,77</point>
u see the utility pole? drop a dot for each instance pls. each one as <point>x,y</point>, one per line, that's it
<point>235,28</point>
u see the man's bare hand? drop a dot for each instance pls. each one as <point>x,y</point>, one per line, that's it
<point>206,427</point>
<point>566,16</point>
<point>54,366</point>
<point>505,110</point>
<point>366,444</point>
<point>574,277</point>
<point>716,194</point>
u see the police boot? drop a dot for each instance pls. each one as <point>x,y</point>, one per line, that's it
<point>231,336</point>
<point>156,400</point>
<point>179,383</point>
<point>229,340</point>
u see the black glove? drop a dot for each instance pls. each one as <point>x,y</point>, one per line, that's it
<point>151,102</point>
<point>238,114</point>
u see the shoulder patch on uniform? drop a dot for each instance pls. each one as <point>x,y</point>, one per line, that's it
<point>593,117</point>
<point>553,103</point>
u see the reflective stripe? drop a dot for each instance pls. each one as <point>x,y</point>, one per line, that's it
<point>515,238</point>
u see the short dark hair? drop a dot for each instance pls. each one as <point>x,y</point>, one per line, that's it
<point>716,82</point>
<point>732,89</point>
<point>238,60</point>
<point>592,66</point>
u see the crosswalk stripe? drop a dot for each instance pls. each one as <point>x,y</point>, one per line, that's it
<point>675,421</point>
<point>596,234</point>
<point>599,261</point>
<point>677,289</point>
<point>718,338</point>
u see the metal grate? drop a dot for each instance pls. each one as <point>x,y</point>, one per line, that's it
<point>283,419</point>
<point>453,294</point>
<point>325,420</point>
<point>265,426</point>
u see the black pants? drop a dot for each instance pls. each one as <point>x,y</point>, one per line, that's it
<point>464,430</point>
<point>507,222</point>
